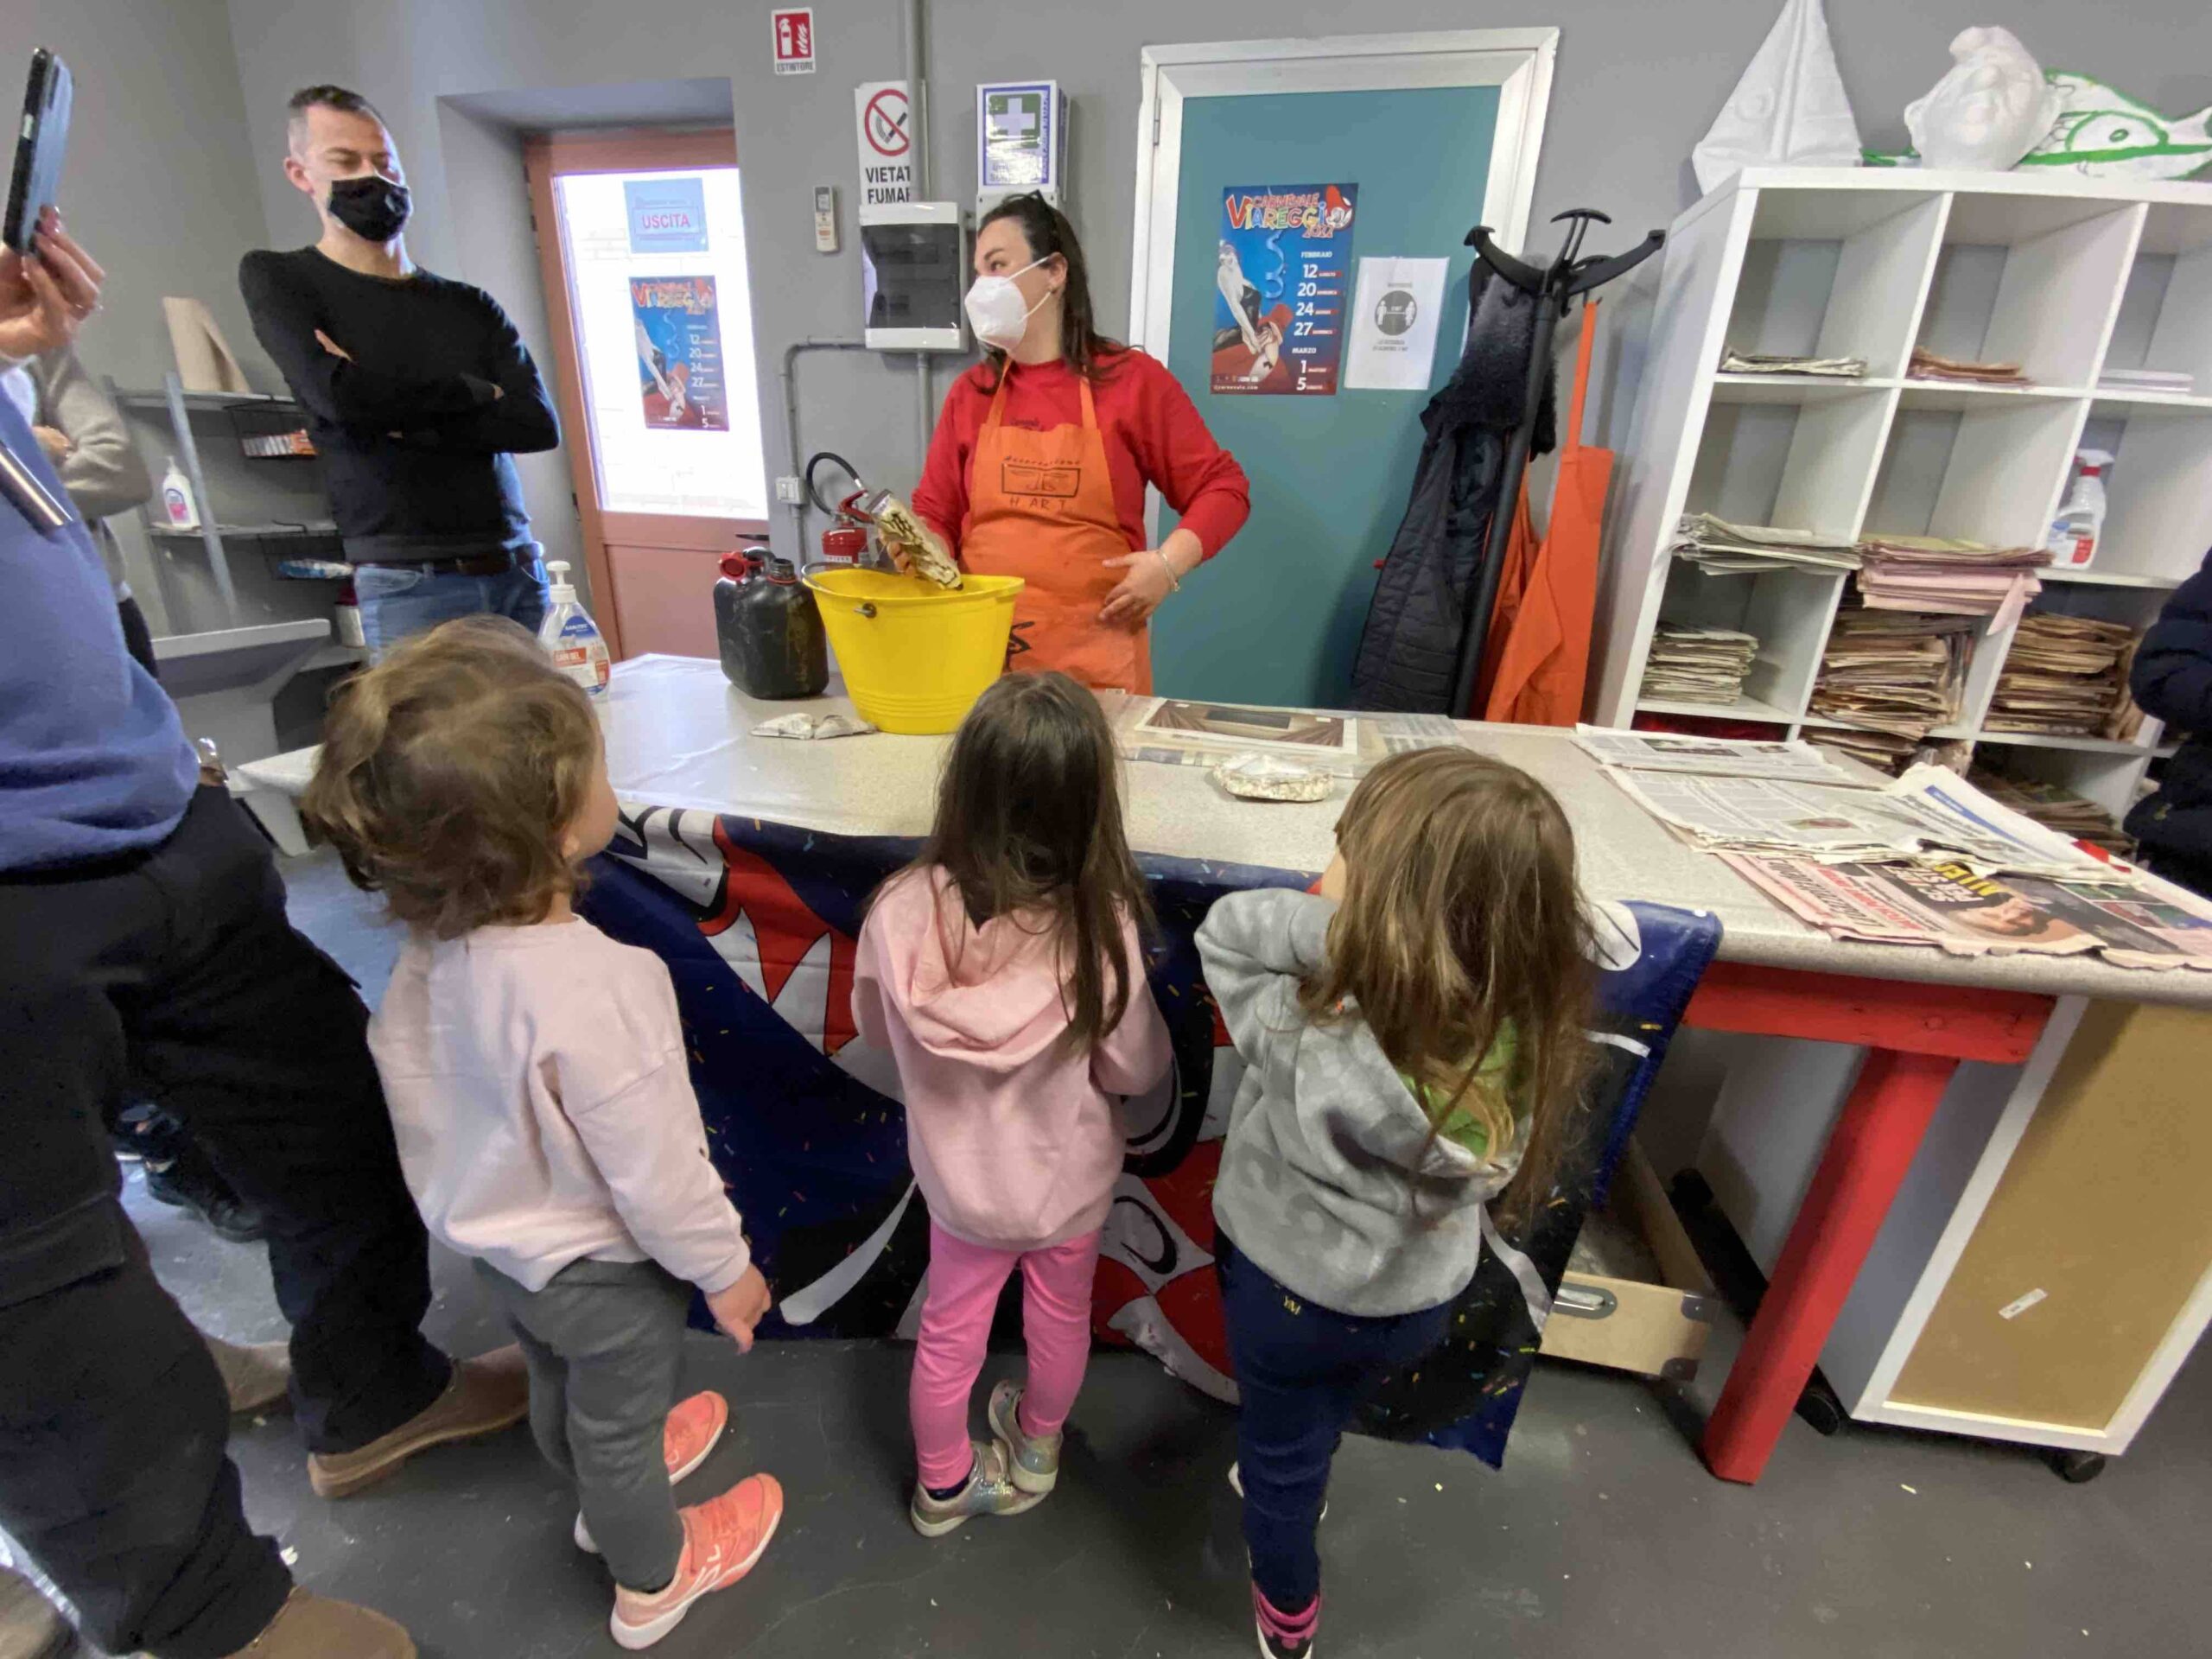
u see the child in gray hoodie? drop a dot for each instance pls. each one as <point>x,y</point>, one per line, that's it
<point>1414,1046</point>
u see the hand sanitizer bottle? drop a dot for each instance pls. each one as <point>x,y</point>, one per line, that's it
<point>179,511</point>
<point>571,638</point>
<point>2074,533</point>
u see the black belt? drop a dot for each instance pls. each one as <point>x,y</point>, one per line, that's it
<point>483,564</point>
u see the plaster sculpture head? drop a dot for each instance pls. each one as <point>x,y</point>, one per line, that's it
<point>1991,108</point>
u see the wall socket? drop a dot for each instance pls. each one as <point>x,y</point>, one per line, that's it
<point>789,492</point>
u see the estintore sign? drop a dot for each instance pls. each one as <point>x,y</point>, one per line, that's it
<point>794,28</point>
<point>886,117</point>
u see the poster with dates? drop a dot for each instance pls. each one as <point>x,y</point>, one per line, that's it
<point>679,352</point>
<point>1283,277</point>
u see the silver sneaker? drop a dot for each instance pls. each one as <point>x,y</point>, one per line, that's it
<point>989,1491</point>
<point>1034,1462</point>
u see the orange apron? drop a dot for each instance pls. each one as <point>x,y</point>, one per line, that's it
<point>1040,506</point>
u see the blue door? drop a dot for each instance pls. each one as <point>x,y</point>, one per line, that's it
<point>1276,617</point>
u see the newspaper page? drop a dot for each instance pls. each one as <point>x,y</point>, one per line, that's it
<point>1728,756</point>
<point>1950,905</point>
<point>1917,815</point>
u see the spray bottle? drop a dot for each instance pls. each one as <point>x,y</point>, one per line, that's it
<point>571,638</point>
<point>2081,522</point>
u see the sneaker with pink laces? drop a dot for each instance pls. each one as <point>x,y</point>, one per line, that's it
<point>1286,1635</point>
<point>722,1539</point>
<point>692,1431</point>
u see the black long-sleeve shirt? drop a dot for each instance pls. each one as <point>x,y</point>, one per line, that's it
<point>416,430</point>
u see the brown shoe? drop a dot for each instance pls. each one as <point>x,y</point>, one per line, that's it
<point>309,1626</point>
<point>487,1394</point>
<point>256,1374</point>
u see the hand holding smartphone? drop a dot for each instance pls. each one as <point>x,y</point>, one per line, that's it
<point>41,139</point>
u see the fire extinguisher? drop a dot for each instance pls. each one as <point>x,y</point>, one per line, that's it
<point>845,542</point>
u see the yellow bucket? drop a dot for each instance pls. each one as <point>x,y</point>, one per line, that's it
<point>915,655</point>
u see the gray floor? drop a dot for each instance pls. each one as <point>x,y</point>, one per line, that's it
<point>1603,1536</point>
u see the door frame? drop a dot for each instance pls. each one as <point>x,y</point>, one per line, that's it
<point>626,149</point>
<point>1517,61</point>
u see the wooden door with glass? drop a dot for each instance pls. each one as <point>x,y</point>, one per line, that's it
<point>643,245</point>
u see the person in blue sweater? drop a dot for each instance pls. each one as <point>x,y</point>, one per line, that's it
<point>2172,680</point>
<point>143,940</point>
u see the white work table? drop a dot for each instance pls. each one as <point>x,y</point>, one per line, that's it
<point>679,735</point>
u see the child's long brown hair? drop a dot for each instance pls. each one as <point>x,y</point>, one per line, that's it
<point>1460,916</point>
<point>1029,820</point>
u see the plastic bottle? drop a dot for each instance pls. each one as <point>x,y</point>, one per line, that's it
<point>2081,522</point>
<point>179,509</point>
<point>571,638</point>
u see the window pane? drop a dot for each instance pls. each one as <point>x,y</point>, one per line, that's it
<point>665,335</point>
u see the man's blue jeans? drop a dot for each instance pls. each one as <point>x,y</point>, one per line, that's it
<point>397,600</point>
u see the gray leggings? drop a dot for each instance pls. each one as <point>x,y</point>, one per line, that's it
<point>604,1341</point>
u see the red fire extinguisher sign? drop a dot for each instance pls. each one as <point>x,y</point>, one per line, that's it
<point>794,28</point>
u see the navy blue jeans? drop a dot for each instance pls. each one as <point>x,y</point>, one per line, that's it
<point>1303,1371</point>
<point>397,602</point>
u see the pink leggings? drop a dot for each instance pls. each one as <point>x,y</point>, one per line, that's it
<point>964,1283</point>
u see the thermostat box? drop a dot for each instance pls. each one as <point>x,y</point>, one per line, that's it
<point>914,277</point>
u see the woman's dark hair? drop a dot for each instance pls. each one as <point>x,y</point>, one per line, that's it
<point>1046,230</point>
<point>1029,824</point>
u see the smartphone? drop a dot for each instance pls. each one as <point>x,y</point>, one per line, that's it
<point>40,142</point>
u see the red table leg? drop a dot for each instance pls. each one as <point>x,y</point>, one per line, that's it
<point>1867,1155</point>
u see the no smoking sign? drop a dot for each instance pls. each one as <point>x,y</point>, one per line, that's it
<point>884,112</point>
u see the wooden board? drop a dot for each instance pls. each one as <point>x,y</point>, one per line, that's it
<point>1655,1329</point>
<point>2103,1210</point>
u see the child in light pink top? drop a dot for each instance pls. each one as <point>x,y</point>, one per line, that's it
<point>1005,972</point>
<point>540,1094</point>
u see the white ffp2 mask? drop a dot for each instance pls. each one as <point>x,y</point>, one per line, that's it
<point>995,311</point>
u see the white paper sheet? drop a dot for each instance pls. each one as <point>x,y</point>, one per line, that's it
<point>1397,306</point>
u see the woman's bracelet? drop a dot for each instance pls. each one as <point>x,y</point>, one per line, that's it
<point>1174,581</point>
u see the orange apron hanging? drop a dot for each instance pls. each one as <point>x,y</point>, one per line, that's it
<point>1537,655</point>
<point>1040,506</point>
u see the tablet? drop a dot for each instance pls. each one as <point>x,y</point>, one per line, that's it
<point>39,141</point>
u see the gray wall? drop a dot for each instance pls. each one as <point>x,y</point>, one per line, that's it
<point>1637,85</point>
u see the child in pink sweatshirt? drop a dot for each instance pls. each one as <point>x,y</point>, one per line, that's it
<point>536,1073</point>
<point>1005,972</point>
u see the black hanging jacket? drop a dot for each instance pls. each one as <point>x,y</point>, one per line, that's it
<point>1411,642</point>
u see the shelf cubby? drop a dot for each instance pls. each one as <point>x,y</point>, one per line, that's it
<point>1971,465</point>
<point>2031,279</point>
<point>1834,277</point>
<point>1787,611</point>
<point>2158,520</point>
<point>1794,456</point>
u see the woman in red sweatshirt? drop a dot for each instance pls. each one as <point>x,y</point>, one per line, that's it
<point>1038,465</point>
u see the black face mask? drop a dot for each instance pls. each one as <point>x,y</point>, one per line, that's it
<point>373,207</point>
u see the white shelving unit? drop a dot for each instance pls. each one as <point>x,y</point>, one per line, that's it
<point>2070,276</point>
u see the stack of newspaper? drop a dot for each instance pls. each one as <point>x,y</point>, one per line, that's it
<point>1926,860</point>
<point>1840,368</point>
<point>1720,549</point>
<point>1689,664</point>
<point>1927,365</point>
<point>1893,671</point>
<point>2061,678</point>
<point>2059,810</point>
<point>1927,573</point>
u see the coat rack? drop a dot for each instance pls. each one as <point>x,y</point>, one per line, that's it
<point>1553,286</point>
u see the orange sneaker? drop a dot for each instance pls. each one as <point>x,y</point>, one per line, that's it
<point>723,1538</point>
<point>693,1430</point>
